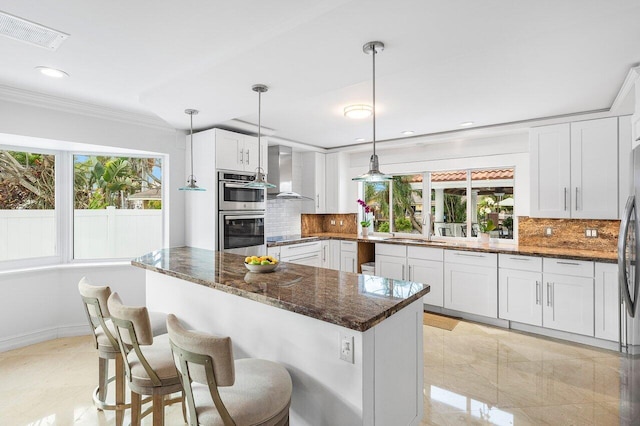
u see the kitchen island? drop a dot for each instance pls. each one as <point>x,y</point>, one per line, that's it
<point>308,319</point>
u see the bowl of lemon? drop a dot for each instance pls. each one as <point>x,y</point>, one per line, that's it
<point>261,264</point>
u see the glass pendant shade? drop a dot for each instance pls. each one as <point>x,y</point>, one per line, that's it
<point>191,181</point>
<point>374,174</point>
<point>259,181</point>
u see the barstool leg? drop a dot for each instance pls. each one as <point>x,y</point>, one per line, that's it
<point>120,390</point>
<point>136,408</point>
<point>158,410</point>
<point>103,378</point>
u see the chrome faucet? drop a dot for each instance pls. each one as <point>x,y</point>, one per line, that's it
<point>426,221</point>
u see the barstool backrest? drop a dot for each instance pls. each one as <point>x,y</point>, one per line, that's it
<point>204,359</point>
<point>94,300</point>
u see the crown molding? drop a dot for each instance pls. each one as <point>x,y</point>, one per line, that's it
<point>627,86</point>
<point>42,100</point>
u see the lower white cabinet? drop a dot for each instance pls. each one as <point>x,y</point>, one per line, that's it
<point>568,303</point>
<point>607,303</point>
<point>419,264</point>
<point>349,256</point>
<point>471,282</point>
<point>302,253</point>
<point>520,296</point>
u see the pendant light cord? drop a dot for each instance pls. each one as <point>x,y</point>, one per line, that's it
<point>373,53</point>
<point>191,117</point>
<point>259,130</point>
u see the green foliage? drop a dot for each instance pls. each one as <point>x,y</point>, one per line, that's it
<point>487,226</point>
<point>154,204</point>
<point>455,209</point>
<point>508,222</point>
<point>384,227</point>
<point>403,224</point>
<point>377,194</point>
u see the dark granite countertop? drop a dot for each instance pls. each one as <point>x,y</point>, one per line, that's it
<point>350,300</point>
<point>562,253</point>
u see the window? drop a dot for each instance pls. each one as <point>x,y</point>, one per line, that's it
<point>462,202</point>
<point>117,206</point>
<point>27,205</point>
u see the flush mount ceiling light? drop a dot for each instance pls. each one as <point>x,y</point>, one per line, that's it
<point>51,72</point>
<point>467,123</point>
<point>358,111</point>
<point>259,180</point>
<point>408,132</point>
<point>359,139</point>
<point>374,174</point>
<point>191,182</point>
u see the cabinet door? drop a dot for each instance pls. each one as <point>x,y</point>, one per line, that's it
<point>520,296</point>
<point>549,149</point>
<point>472,289</point>
<point>274,251</point>
<point>594,169</point>
<point>320,169</point>
<point>348,262</point>
<point>250,153</point>
<point>229,150</point>
<point>429,272</point>
<point>334,254</point>
<point>607,301</point>
<point>313,186</point>
<point>568,303</point>
<point>390,267</point>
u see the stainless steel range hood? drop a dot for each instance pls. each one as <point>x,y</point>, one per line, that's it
<point>281,174</point>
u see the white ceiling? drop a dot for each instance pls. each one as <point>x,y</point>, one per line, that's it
<point>445,62</point>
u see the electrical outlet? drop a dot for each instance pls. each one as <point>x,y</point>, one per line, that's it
<point>333,222</point>
<point>594,233</point>
<point>548,231</point>
<point>591,233</point>
<point>341,222</point>
<point>346,348</point>
<point>587,233</point>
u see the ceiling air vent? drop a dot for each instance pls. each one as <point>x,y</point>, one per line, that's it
<point>30,32</point>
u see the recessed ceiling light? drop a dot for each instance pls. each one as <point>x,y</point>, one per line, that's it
<point>359,139</point>
<point>358,111</point>
<point>408,132</point>
<point>52,72</point>
<point>467,123</point>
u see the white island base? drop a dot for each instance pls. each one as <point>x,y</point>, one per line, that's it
<point>382,387</point>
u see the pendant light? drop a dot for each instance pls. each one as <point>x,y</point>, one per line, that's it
<point>191,182</point>
<point>259,180</point>
<point>374,174</point>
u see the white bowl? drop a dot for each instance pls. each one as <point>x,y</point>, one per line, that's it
<point>261,268</point>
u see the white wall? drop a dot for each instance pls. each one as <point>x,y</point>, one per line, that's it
<point>42,304</point>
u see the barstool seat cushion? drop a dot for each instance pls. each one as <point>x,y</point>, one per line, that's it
<point>158,327</point>
<point>160,359</point>
<point>260,395</point>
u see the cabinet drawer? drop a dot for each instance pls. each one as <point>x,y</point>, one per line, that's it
<point>471,258</point>
<point>577,268</point>
<point>299,249</point>
<point>521,263</point>
<point>391,250</point>
<point>426,253</point>
<point>348,246</point>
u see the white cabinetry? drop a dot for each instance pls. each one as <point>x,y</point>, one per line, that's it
<point>313,184</point>
<point>471,282</point>
<point>606,301</point>
<point>574,170</point>
<point>568,295</point>
<point>349,256</point>
<point>331,254</point>
<point>520,289</point>
<point>302,253</point>
<point>419,264</point>
<point>238,152</point>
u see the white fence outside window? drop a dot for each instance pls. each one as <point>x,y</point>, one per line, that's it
<point>98,234</point>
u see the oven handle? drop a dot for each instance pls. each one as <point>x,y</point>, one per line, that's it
<point>235,185</point>
<point>233,216</point>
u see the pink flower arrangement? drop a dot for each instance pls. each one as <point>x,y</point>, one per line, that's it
<point>366,222</point>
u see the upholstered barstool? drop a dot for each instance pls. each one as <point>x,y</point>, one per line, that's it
<point>94,299</point>
<point>147,359</point>
<point>221,391</point>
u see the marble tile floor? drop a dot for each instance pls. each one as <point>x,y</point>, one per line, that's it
<point>474,374</point>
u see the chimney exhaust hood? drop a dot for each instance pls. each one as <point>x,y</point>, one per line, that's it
<point>280,174</point>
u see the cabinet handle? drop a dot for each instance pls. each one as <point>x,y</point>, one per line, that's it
<point>523,259</point>
<point>565,199</point>
<point>403,272</point>
<point>302,245</point>
<point>577,198</point>
<point>242,156</point>
<point>409,276</point>
<point>303,258</point>
<point>537,292</point>
<point>568,263</point>
<point>318,203</point>
<point>248,161</point>
<point>353,265</point>
<point>324,253</point>
<point>548,295</point>
<point>468,255</point>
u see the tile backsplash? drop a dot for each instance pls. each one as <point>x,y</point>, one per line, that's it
<point>282,218</point>
<point>568,233</point>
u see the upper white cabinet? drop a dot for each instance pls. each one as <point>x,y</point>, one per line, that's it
<point>313,184</point>
<point>238,152</point>
<point>574,170</point>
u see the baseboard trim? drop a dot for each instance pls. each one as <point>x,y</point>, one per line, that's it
<point>42,335</point>
<point>496,322</point>
<point>563,335</point>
